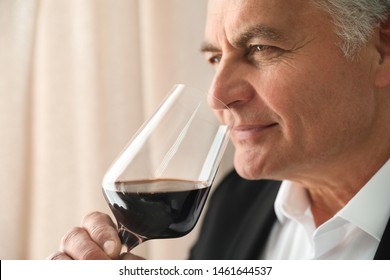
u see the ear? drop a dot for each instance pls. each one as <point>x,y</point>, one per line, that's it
<point>383,69</point>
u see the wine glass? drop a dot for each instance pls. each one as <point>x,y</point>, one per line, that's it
<point>158,185</point>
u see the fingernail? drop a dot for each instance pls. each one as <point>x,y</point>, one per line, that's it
<point>109,247</point>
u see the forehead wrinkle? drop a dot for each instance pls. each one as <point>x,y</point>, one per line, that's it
<point>256,31</point>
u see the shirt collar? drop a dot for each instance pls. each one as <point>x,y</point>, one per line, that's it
<point>369,209</point>
<point>291,202</point>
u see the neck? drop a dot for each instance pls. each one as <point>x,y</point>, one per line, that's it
<point>344,178</point>
<point>329,195</point>
<point>334,184</point>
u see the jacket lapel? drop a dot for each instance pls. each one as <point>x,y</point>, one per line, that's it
<point>383,251</point>
<point>255,227</point>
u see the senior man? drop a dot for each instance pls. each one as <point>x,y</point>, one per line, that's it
<point>309,83</point>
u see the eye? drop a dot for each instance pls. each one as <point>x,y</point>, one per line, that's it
<point>215,59</point>
<point>257,48</point>
<point>260,54</point>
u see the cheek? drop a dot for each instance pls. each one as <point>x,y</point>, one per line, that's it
<point>326,111</point>
<point>303,96</point>
<point>320,113</point>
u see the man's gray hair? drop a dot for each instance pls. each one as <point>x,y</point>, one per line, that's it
<point>355,20</point>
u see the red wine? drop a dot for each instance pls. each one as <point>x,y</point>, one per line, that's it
<point>157,208</point>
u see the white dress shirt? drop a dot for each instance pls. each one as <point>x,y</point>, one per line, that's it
<point>353,233</point>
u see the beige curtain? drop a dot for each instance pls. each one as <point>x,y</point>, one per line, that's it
<point>77,78</point>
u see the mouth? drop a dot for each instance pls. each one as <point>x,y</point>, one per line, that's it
<point>251,132</point>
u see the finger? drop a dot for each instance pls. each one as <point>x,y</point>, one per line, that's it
<point>78,245</point>
<point>104,232</point>
<point>58,256</point>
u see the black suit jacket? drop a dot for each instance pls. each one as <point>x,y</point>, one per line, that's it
<point>240,218</point>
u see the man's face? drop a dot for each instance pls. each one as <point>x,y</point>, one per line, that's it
<point>301,107</point>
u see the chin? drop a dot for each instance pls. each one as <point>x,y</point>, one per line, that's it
<point>251,166</point>
<point>247,169</point>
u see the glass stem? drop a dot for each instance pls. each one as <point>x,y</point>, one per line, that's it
<point>129,239</point>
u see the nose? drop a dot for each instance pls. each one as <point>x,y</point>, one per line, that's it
<point>230,85</point>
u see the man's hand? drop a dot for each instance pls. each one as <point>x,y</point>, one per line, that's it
<point>96,239</point>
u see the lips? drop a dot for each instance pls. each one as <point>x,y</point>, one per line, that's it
<point>251,132</point>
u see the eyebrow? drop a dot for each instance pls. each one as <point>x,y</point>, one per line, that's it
<point>209,47</point>
<point>256,31</point>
